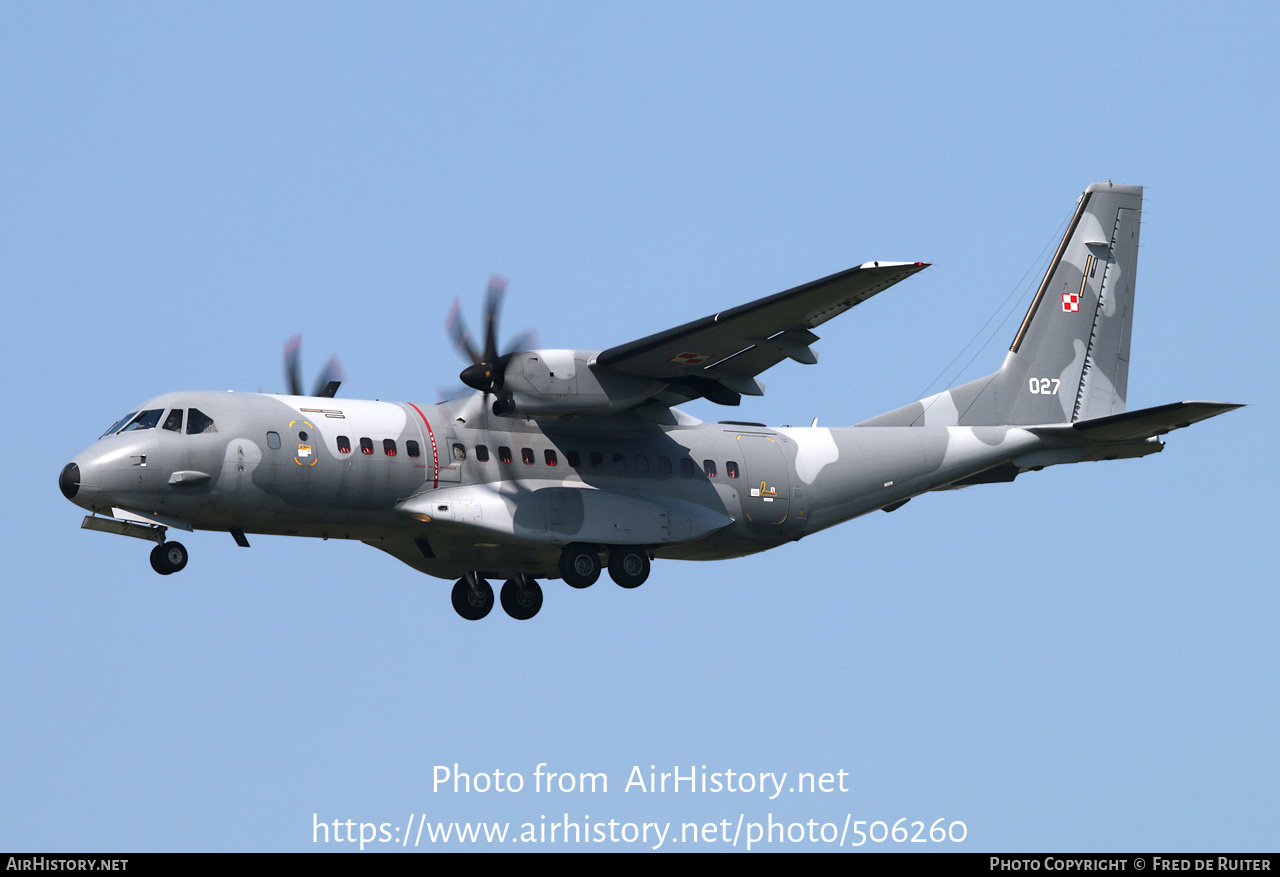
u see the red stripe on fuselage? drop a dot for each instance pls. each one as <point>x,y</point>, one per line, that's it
<point>435,454</point>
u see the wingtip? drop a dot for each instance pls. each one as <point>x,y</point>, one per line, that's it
<point>917,266</point>
<point>1225,406</point>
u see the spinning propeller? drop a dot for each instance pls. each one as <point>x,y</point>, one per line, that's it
<point>331,376</point>
<point>487,372</point>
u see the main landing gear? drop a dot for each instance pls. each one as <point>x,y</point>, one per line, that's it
<point>521,595</point>
<point>580,565</point>
<point>629,566</point>
<point>473,597</point>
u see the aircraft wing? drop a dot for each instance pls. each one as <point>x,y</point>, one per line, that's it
<point>720,355</point>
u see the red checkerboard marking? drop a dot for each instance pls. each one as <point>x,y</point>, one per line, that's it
<point>689,358</point>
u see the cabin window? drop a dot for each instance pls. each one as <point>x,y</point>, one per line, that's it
<point>459,452</point>
<point>173,422</point>
<point>664,465</point>
<point>413,449</point>
<point>597,460</point>
<point>686,467</point>
<point>504,454</point>
<point>642,463</point>
<point>620,462</point>
<point>526,455</point>
<point>273,440</point>
<point>731,469</point>
<point>344,445</point>
<point>366,446</point>
<point>572,458</point>
<point>549,456</point>
<point>389,447</point>
<point>482,453</point>
<point>198,422</point>
<point>709,467</point>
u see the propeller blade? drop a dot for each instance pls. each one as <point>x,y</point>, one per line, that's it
<point>292,371</point>
<point>457,330</point>
<point>526,340</point>
<point>448,394</point>
<point>332,376</point>
<point>488,368</point>
<point>492,304</point>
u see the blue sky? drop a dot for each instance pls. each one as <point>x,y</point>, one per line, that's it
<point>1083,660</point>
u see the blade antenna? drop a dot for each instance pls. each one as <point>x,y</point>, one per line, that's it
<point>332,376</point>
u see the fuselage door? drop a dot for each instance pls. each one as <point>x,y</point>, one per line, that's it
<point>766,495</point>
<point>453,458</point>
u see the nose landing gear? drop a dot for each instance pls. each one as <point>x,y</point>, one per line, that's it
<point>168,557</point>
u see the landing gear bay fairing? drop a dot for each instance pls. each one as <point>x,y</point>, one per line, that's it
<point>565,463</point>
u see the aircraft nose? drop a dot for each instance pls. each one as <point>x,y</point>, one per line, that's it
<point>80,480</point>
<point>69,480</point>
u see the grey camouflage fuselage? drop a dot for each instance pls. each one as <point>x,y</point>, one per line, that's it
<point>455,490</point>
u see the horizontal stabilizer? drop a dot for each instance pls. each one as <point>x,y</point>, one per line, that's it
<point>1141,424</point>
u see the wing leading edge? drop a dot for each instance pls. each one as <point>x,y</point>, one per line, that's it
<point>720,355</point>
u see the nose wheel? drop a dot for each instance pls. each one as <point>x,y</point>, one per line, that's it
<point>168,557</point>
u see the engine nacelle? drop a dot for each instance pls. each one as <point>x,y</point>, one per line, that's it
<point>564,383</point>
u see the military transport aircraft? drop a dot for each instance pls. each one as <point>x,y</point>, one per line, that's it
<point>565,461</point>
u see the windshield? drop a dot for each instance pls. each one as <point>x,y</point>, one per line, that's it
<point>113,427</point>
<point>145,420</point>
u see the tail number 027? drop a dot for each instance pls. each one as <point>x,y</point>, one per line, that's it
<point>1044,386</point>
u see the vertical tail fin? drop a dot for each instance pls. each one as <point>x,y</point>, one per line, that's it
<point>1070,358</point>
<point>1074,341</point>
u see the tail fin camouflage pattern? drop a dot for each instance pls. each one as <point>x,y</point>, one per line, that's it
<point>1070,359</point>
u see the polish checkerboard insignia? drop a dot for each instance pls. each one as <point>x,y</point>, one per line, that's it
<point>1070,303</point>
<point>690,358</point>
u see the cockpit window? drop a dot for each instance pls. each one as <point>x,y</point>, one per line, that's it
<point>119,423</point>
<point>198,422</point>
<point>145,420</point>
<point>173,422</point>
